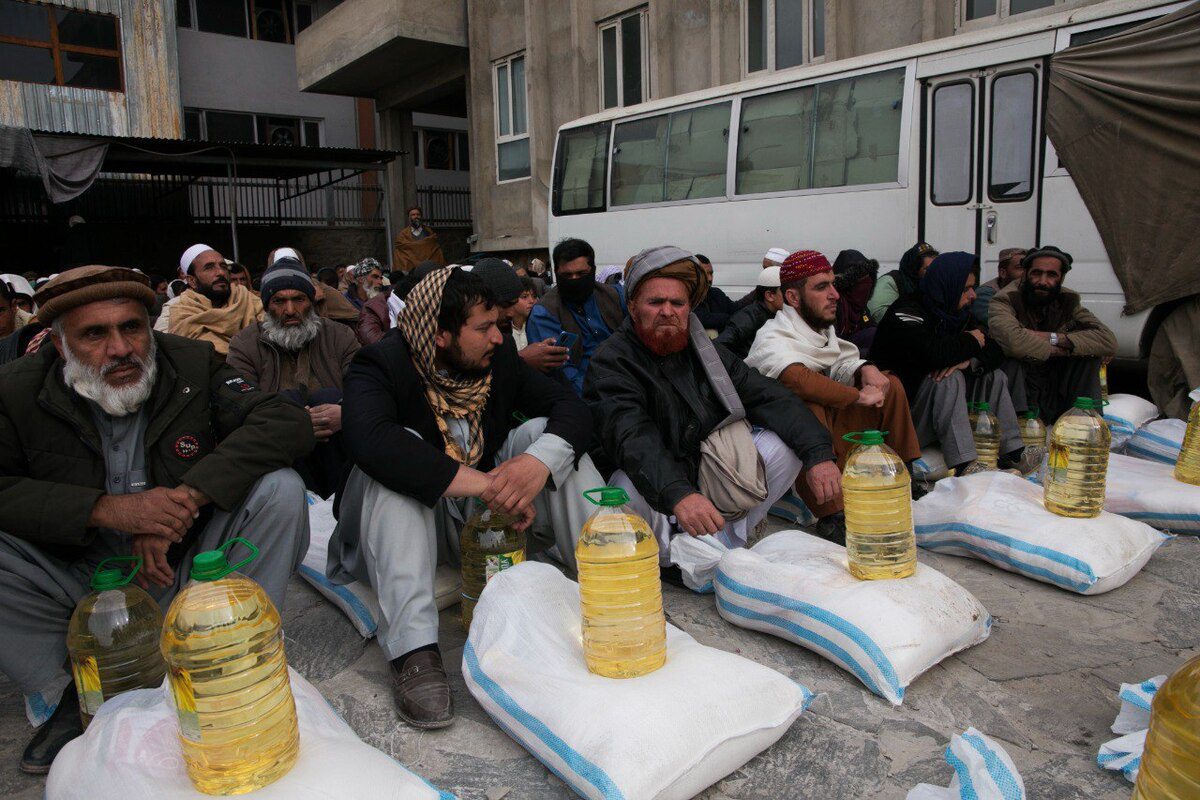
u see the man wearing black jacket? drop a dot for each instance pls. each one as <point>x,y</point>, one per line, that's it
<point>436,408</point>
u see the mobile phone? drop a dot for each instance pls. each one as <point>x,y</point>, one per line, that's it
<point>566,339</point>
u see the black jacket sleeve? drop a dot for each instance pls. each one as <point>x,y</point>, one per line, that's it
<point>916,339</point>
<point>716,309</point>
<point>739,333</point>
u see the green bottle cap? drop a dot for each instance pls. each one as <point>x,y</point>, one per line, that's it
<point>212,565</point>
<point>606,496</point>
<point>1031,413</point>
<point>106,578</point>
<point>865,437</point>
<point>1089,403</point>
<point>981,406</point>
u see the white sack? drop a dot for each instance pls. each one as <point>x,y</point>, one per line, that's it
<point>885,632</point>
<point>1148,492</point>
<point>1125,413</point>
<point>1160,440</point>
<point>697,558</point>
<point>982,771</point>
<point>999,518</point>
<point>931,466</point>
<point>662,736</point>
<point>1133,720</point>
<point>131,751</point>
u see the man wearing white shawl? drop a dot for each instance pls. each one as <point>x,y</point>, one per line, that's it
<point>800,348</point>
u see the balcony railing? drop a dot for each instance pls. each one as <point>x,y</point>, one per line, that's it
<point>448,206</point>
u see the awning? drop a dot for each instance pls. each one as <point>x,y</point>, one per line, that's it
<point>1124,115</point>
<point>66,165</point>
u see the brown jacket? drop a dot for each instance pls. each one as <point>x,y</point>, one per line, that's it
<point>327,357</point>
<point>408,251</point>
<point>1010,323</point>
<point>374,320</point>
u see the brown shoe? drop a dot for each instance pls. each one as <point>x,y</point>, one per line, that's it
<point>422,693</point>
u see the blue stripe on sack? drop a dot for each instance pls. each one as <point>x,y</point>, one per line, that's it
<point>360,610</point>
<point>1135,698</point>
<point>847,629</point>
<point>966,788</point>
<point>1120,423</point>
<point>1018,566</point>
<point>1130,769</point>
<point>578,764</point>
<point>1154,437</point>
<point>1002,776</point>
<point>1104,758</point>
<point>1067,561</point>
<point>1153,455</point>
<point>1177,517</point>
<point>1149,686</point>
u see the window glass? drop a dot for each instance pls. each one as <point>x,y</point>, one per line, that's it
<point>789,33</point>
<point>953,138</point>
<point>513,158</point>
<point>312,133</point>
<point>270,21</point>
<point>818,28</point>
<point>1014,109</point>
<point>756,35</point>
<point>503,108</point>
<point>464,152</point>
<point>90,72</point>
<point>24,21</point>
<point>304,16</point>
<point>631,59</point>
<point>638,155</point>
<point>191,125</point>
<point>183,13</point>
<point>87,30</point>
<point>226,127</point>
<point>1096,34</point>
<point>29,64</point>
<point>697,153</point>
<point>858,130</point>
<point>977,9</point>
<point>519,124</point>
<point>222,16</point>
<point>608,59</point>
<point>1021,6</point>
<point>775,142</point>
<point>582,159</point>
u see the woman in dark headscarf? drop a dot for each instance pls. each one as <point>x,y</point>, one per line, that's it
<point>902,282</point>
<point>854,277</point>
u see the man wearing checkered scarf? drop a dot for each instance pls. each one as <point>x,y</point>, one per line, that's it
<point>444,419</point>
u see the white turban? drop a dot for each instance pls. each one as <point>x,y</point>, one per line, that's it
<point>189,255</point>
<point>777,255</point>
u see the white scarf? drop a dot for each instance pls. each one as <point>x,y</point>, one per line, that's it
<point>787,339</point>
<point>394,305</point>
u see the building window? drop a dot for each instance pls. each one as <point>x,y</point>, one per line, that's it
<point>973,10</point>
<point>440,149</point>
<point>782,33</point>
<point>512,127</point>
<point>236,126</point>
<point>59,46</point>
<point>624,60</point>
<point>264,20</point>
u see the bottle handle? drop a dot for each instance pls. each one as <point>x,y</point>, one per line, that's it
<point>137,565</point>
<point>235,567</point>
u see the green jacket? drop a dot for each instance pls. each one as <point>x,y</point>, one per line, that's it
<point>1010,323</point>
<point>207,428</point>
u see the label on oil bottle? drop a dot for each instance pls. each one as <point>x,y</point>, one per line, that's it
<point>496,563</point>
<point>87,681</point>
<point>1058,461</point>
<point>185,704</point>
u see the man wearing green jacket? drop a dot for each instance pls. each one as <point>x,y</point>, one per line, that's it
<point>122,441</point>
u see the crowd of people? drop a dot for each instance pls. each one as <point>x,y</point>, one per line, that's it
<point>162,418</point>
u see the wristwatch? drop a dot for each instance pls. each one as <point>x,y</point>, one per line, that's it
<point>1054,340</point>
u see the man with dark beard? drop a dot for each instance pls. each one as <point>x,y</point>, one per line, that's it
<point>214,309</point>
<point>435,437</point>
<point>301,355</point>
<point>120,441</point>
<point>1055,346</point>
<point>674,412</point>
<point>577,305</point>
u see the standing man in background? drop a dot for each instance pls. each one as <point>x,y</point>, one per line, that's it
<point>415,244</point>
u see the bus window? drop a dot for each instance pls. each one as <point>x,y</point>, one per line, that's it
<point>858,130</point>
<point>775,144</point>
<point>639,152</point>
<point>580,172</point>
<point>953,138</point>
<point>1014,115</point>
<point>697,153</point>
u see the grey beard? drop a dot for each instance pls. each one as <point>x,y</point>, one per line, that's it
<point>88,382</point>
<point>291,337</point>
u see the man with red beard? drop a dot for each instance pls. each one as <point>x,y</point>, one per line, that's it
<point>703,444</point>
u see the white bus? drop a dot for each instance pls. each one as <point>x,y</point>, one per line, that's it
<point>941,142</point>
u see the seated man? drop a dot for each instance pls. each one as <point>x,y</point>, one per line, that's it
<point>119,441</point>
<point>943,361</point>
<point>330,304</point>
<point>900,283</point>
<point>801,349</point>
<point>544,356</point>
<point>434,426</point>
<point>1010,269</point>
<point>576,304</point>
<point>301,355</point>
<point>213,310</point>
<point>659,388</point>
<point>1055,346</point>
<point>716,308</point>
<point>744,325</point>
<point>366,282</point>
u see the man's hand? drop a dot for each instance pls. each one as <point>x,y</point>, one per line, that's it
<point>945,372</point>
<point>871,376</point>
<point>167,513</point>
<point>514,484</point>
<point>1059,352</point>
<point>545,355</point>
<point>870,397</point>
<point>825,480</point>
<point>153,552</point>
<point>979,336</point>
<point>326,420</point>
<point>698,516</point>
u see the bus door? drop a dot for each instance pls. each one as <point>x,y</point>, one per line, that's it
<point>983,134</point>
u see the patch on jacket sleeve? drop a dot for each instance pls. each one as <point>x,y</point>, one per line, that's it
<point>241,385</point>
<point>187,446</point>
<point>909,318</point>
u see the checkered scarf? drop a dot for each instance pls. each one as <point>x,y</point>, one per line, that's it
<point>448,396</point>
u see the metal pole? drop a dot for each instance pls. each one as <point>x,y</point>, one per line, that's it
<point>387,218</point>
<point>232,209</point>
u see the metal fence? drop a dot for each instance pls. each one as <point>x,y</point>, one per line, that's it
<point>445,205</point>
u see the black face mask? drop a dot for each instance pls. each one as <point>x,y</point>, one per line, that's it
<point>576,290</point>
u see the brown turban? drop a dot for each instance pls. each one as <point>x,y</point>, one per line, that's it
<point>83,285</point>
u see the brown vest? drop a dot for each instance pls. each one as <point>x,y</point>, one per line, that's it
<point>607,300</point>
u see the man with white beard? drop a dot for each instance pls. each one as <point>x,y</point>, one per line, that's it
<point>121,441</point>
<point>302,356</point>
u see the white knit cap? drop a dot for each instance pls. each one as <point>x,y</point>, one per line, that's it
<point>189,255</point>
<point>777,255</point>
<point>769,278</point>
<point>285,252</point>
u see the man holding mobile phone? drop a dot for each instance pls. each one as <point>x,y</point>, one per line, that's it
<point>545,355</point>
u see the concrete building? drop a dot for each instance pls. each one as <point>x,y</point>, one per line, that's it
<point>521,68</point>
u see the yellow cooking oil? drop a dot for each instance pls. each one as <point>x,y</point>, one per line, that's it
<point>1170,768</point>
<point>112,638</point>
<point>877,491</point>
<point>488,545</point>
<point>1104,381</point>
<point>1187,466</point>
<point>972,413</point>
<point>620,595</point>
<point>1077,465</point>
<point>986,432</point>
<point>1033,430</point>
<point>223,644</point>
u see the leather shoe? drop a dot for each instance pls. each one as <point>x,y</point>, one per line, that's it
<point>53,734</point>
<point>422,693</point>
<point>832,528</point>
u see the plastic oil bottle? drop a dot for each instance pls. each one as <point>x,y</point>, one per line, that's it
<point>1077,466</point>
<point>620,596</point>
<point>224,649</point>
<point>1170,768</point>
<point>878,494</point>
<point>972,413</point>
<point>113,638</point>
<point>986,432</point>
<point>1187,466</point>
<point>488,545</point>
<point>1104,381</point>
<point>1033,430</point>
